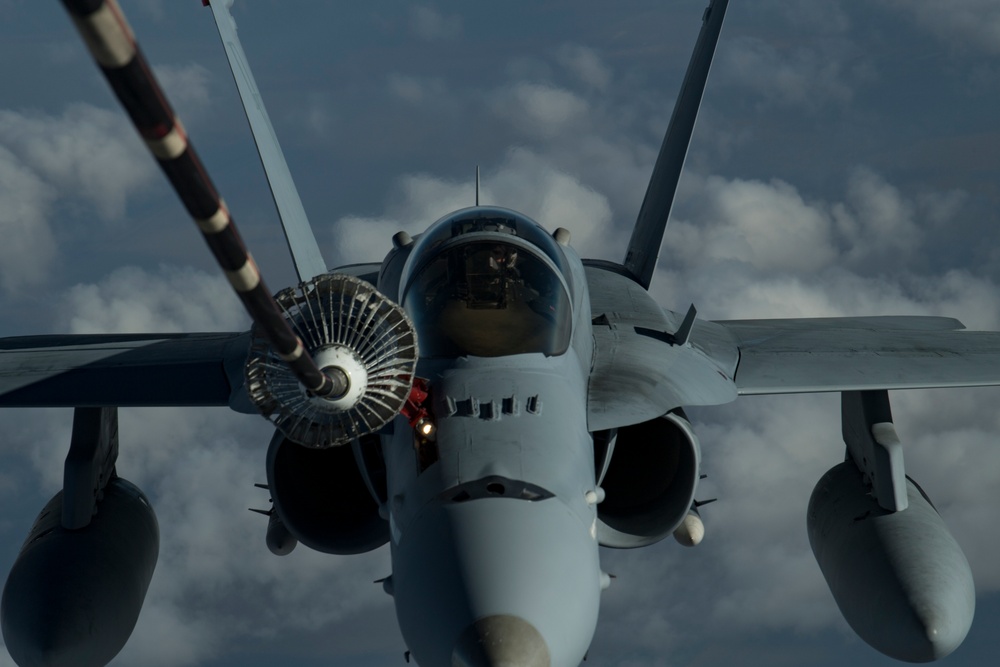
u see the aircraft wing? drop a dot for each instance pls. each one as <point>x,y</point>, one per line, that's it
<point>833,354</point>
<point>125,370</point>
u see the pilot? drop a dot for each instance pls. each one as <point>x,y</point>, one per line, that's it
<point>502,257</point>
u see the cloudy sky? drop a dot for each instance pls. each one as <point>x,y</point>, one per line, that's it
<point>845,163</point>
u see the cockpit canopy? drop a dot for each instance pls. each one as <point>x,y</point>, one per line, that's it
<point>487,282</point>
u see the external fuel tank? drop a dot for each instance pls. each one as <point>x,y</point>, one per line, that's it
<point>900,579</point>
<point>73,596</point>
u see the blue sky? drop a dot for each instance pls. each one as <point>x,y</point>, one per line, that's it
<point>845,163</point>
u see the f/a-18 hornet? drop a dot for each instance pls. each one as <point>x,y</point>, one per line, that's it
<point>485,401</point>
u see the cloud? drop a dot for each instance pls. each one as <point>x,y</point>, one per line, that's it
<point>154,8</point>
<point>187,88</point>
<point>771,227</point>
<point>773,430</point>
<point>942,207</point>
<point>768,248</point>
<point>877,219</point>
<point>170,300</point>
<point>542,190</point>
<point>55,172</point>
<point>554,198</point>
<point>585,64</point>
<point>803,77</point>
<point>215,579</point>
<point>824,18</point>
<point>959,24</point>
<point>540,110</point>
<point>418,200</point>
<point>416,90</point>
<point>767,225</point>
<point>87,152</point>
<point>829,241</point>
<point>582,130</point>
<point>430,25</point>
<point>25,206</point>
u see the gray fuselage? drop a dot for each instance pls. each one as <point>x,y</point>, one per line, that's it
<point>491,527</point>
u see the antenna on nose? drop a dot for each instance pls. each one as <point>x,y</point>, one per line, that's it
<point>477,185</point>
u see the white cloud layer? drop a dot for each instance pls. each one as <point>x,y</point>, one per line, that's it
<point>766,225</point>
<point>25,205</point>
<point>542,191</point>
<point>585,64</point>
<point>50,163</point>
<point>540,110</point>
<point>87,152</point>
<point>774,252</point>
<point>860,239</point>
<point>170,300</point>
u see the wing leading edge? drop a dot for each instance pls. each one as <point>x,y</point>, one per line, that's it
<point>853,354</point>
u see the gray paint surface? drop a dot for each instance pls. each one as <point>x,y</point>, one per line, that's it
<point>900,578</point>
<point>832,359</point>
<point>305,251</point>
<point>120,370</point>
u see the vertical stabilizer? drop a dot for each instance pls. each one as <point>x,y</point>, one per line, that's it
<point>647,236</point>
<point>301,241</point>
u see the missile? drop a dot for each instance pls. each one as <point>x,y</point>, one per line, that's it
<point>73,596</point>
<point>279,540</point>
<point>900,579</point>
<point>691,531</point>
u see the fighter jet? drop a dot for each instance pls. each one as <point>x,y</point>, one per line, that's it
<point>489,404</point>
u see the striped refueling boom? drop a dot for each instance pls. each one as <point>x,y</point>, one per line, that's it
<point>110,40</point>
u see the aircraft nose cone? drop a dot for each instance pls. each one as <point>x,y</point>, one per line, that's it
<point>497,583</point>
<point>501,641</point>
